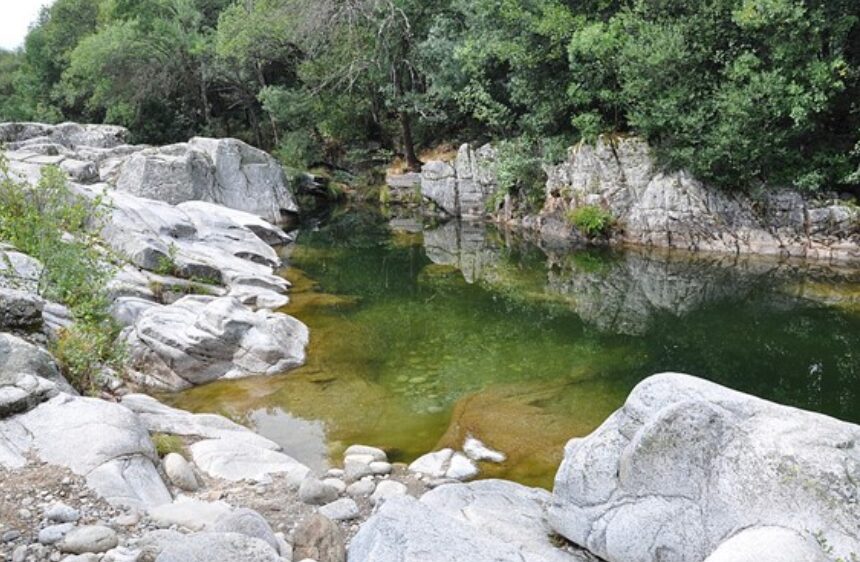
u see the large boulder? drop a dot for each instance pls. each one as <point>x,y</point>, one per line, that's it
<point>491,520</point>
<point>103,441</point>
<point>686,464</point>
<point>222,448</point>
<point>224,171</point>
<point>199,339</point>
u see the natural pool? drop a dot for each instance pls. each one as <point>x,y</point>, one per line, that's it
<point>421,335</point>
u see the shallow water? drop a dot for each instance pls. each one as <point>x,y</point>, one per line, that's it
<point>421,335</point>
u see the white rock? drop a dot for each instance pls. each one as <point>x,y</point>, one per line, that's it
<point>380,468</point>
<point>769,544</point>
<point>180,472</point>
<point>478,451</point>
<point>62,513</point>
<point>343,509</point>
<point>375,452</point>
<point>191,513</point>
<point>445,464</point>
<point>686,463</point>
<point>93,538</point>
<point>316,492</point>
<point>386,490</point>
<point>335,483</point>
<point>237,459</point>
<point>362,488</point>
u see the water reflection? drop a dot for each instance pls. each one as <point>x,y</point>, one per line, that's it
<point>423,333</point>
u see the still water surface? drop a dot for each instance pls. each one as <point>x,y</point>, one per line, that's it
<point>421,335</point>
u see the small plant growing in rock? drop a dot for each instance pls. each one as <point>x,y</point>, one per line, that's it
<point>591,220</point>
<point>165,444</point>
<point>167,264</point>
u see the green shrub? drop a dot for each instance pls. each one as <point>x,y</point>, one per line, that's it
<point>49,222</point>
<point>591,220</point>
<point>167,264</point>
<point>519,172</point>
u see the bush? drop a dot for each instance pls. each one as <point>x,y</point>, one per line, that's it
<point>520,173</point>
<point>49,222</point>
<point>591,220</point>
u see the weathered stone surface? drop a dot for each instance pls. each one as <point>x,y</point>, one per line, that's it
<point>463,187</point>
<point>476,450</point>
<point>180,472</point>
<point>92,538</point>
<point>236,460</point>
<point>103,441</point>
<point>316,492</point>
<point>386,490</point>
<point>343,509</point>
<point>216,547</point>
<point>19,271</point>
<point>686,463</point>
<point>768,544</point>
<point>199,339</point>
<point>445,463</point>
<point>20,310</point>
<point>484,521</point>
<point>69,135</point>
<point>223,171</point>
<point>190,513</point>
<point>319,539</point>
<point>674,210</point>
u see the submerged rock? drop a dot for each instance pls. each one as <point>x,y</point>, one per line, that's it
<point>686,463</point>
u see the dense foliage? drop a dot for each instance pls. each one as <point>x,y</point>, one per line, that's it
<point>744,93</point>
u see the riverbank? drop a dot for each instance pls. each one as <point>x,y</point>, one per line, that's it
<point>196,287</point>
<point>614,192</point>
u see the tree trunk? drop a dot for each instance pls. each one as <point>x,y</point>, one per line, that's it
<point>412,161</point>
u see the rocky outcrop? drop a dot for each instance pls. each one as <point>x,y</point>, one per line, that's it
<point>688,470</point>
<point>223,171</point>
<point>491,520</point>
<point>199,339</point>
<point>102,441</point>
<point>462,188</point>
<point>656,208</point>
<point>183,244</point>
<point>651,207</point>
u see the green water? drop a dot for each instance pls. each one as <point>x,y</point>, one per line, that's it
<point>421,335</point>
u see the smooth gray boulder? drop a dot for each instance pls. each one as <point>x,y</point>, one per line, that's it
<point>92,538</point>
<point>100,440</point>
<point>180,472</point>
<point>490,521</point>
<point>223,171</point>
<point>769,544</point>
<point>199,339</point>
<point>686,463</point>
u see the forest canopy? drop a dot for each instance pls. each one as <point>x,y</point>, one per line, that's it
<point>743,93</point>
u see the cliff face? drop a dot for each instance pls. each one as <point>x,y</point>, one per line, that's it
<point>675,210</point>
<point>654,208</point>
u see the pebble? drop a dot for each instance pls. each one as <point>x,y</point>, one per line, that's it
<point>387,489</point>
<point>25,513</point>
<point>357,467</point>
<point>11,535</point>
<point>316,492</point>
<point>375,452</point>
<point>19,554</point>
<point>334,473</point>
<point>180,473</point>
<point>62,513</point>
<point>380,468</point>
<point>336,483</point>
<point>362,488</point>
<point>92,538</point>
<point>55,533</point>
<point>343,509</point>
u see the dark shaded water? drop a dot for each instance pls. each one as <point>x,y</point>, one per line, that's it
<point>421,336</point>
